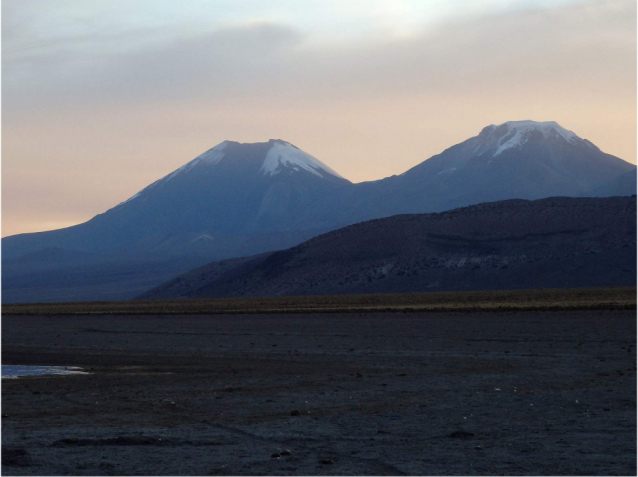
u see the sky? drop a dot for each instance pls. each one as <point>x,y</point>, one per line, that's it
<point>101,98</point>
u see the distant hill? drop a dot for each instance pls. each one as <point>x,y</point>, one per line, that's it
<point>513,244</point>
<point>239,200</point>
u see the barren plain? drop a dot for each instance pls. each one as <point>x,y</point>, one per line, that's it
<point>362,393</point>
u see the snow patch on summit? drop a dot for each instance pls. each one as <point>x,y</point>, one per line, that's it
<point>283,154</point>
<point>210,157</point>
<point>518,133</point>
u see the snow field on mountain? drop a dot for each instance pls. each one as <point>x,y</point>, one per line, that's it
<point>283,154</point>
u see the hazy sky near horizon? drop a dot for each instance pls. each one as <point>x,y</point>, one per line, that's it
<point>101,98</point>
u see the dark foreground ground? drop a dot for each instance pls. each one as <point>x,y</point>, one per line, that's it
<point>377,394</point>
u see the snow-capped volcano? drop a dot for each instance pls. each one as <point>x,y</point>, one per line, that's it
<point>234,199</point>
<point>516,159</point>
<point>517,133</point>
<point>495,140</point>
<point>232,190</point>
<point>261,162</point>
<point>282,155</point>
<point>544,152</point>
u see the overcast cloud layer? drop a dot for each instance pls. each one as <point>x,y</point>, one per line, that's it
<point>102,98</point>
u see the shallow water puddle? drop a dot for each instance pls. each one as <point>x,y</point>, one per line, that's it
<point>10,371</point>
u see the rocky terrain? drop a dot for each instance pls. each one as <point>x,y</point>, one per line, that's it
<point>547,243</point>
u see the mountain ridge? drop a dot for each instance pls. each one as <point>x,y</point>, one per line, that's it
<point>553,242</point>
<point>238,199</point>
<point>470,172</point>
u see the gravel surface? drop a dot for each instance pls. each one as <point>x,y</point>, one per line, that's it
<point>550,393</point>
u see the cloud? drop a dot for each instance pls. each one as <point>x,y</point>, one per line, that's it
<point>581,46</point>
<point>146,98</point>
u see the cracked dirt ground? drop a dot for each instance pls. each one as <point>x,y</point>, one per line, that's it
<point>375,394</point>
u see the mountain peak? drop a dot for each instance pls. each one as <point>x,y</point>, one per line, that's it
<point>278,156</point>
<point>212,156</point>
<point>283,155</point>
<point>233,159</point>
<point>516,133</point>
<point>545,127</point>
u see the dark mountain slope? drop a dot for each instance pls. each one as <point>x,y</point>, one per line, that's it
<point>100,280</point>
<point>623,185</point>
<point>555,242</point>
<point>54,275</point>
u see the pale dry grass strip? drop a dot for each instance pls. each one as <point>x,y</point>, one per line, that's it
<point>602,298</point>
